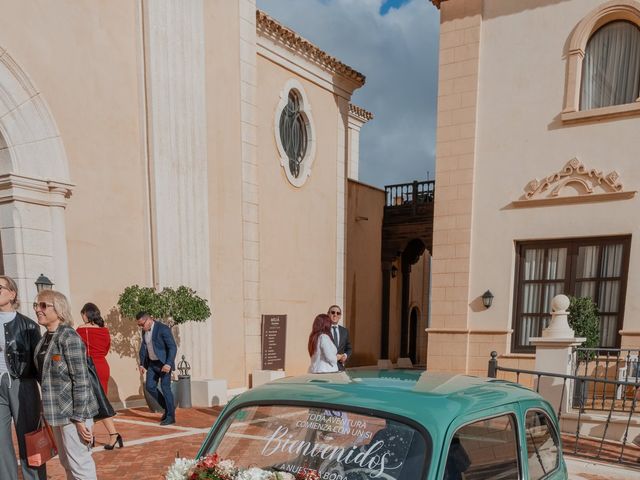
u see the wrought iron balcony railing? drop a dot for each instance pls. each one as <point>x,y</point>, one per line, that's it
<point>409,193</point>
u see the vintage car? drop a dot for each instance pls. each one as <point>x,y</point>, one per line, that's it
<point>391,425</point>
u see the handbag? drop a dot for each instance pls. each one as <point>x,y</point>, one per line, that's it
<point>40,444</point>
<point>105,410</point>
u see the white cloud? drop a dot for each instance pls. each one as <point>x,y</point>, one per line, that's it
<point>398,53</point>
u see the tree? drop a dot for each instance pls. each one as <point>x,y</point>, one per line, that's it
<point>173,306</point>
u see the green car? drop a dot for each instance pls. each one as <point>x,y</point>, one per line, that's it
<point>390,425</point>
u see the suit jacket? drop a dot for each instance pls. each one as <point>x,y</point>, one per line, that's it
<point>343,345</point>
<point>66,389</point>
<point>163,344</point>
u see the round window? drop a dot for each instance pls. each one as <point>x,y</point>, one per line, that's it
<point>294,134</point>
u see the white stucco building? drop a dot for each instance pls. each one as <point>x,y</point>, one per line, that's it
<point>537,174</point>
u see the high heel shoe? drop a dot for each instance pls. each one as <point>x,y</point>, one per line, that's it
<point>118,442</point>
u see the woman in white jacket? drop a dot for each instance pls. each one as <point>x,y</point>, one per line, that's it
<point>322,350</point>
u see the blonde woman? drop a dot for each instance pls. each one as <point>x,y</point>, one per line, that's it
<point>67,398</point>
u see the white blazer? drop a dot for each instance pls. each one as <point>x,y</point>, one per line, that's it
<point>325,358</point>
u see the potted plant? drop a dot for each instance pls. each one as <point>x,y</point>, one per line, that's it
<point>584,319</point>
<point>171,306</point>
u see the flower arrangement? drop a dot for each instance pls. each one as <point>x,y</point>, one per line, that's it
<point>212,467</point>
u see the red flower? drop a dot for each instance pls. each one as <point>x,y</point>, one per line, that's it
<point>209,461</point>
<point>308,474</point>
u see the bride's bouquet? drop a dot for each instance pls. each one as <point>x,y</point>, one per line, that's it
<point>212,467</point>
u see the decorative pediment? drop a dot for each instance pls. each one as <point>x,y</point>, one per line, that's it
<point>574,183</point>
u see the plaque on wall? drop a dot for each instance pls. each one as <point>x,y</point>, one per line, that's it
<point>274,335</point>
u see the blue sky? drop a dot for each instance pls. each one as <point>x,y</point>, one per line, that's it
<point>395,44</point>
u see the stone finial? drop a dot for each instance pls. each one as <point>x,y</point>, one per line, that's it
<point>559,325</point>
<point>560,303</point>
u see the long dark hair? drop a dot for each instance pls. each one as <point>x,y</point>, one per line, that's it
<point>321,324</point>
<point>92,312</point>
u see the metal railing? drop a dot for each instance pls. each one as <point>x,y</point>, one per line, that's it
<point>592,445</point>
<point>607,364</point>
<point>409,193</point>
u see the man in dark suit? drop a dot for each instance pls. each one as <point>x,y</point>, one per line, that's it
<point>340,336</point>
<point>157,356</point>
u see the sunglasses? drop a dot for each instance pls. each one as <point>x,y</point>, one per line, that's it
<point>333,312</point>
<point>41,305</point>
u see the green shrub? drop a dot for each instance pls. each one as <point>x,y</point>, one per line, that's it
<point>584,318</point>
<point>174,306</point>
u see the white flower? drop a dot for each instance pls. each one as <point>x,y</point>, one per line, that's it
<point>179,469</point>
<point>255,474</point>
<point>284,476</point>
<point>227,467</point>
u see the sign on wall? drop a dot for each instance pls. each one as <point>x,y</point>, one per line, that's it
<point>274,335</point>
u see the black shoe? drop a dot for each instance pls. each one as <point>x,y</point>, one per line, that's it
<point>168,421</point>
<point>118,442</point>
<point>164,416</point>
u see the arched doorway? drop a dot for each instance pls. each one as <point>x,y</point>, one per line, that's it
<point>410,256</point>
<point>412,341</point>
<point>34,183</point>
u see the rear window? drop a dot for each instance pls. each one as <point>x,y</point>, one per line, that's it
<point>338,444</point>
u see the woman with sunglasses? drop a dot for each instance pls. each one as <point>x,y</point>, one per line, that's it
<point>19,394</point>
<point>97,339</point>
<point>67,398</point>
<point>323,352</point>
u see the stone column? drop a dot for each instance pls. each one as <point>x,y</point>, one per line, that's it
<point>553,354</point>
<point>174,47</point>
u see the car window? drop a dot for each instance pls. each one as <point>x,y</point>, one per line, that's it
<point>339,445</point>
<point>542,444</point>
<point>484,449</point>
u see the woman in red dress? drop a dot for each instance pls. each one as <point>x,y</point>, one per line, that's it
<point>97,339</point>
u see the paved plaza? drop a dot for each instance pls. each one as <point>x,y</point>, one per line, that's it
<point>148,448</point>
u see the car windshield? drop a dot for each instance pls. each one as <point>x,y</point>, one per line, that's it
<point>338,444</point>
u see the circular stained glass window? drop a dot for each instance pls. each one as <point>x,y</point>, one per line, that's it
<point>293,133</point>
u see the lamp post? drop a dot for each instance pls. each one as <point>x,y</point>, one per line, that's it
<point>43,283</point>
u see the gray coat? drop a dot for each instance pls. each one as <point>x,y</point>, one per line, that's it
<point>66,390</point>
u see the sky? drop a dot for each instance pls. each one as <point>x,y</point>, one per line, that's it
<point>394,43</point>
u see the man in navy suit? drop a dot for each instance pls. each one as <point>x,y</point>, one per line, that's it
<point>157,356</point>
<point>340,336</point>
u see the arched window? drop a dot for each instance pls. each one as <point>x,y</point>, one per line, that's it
<point>294,132</point>
<point>611,66</point>
<point>603,64</point>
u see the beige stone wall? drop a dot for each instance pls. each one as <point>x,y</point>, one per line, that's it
<point>98,109</point>
<point>222,24</point>
<point>365,207</point>
<point>298,225</point>
<point>455,169</point>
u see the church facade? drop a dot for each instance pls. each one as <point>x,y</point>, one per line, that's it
<point>197,143</point>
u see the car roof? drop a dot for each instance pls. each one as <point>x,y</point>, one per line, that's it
<point>429,398</point>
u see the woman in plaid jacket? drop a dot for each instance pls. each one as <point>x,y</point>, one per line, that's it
<point>68,401</point>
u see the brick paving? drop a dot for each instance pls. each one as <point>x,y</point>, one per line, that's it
<point>149,449</point>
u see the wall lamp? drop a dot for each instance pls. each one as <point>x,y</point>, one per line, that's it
<point>487,298</point>
<point>394,271</point>
<point>43,283</point>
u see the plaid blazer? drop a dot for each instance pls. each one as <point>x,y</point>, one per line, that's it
<point>66,389</point>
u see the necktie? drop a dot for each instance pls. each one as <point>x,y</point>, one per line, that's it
<point>335,335</point>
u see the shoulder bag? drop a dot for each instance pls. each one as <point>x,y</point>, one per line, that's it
<point>41,447</point>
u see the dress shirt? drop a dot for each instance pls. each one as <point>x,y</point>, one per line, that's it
<point>148,340</point>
